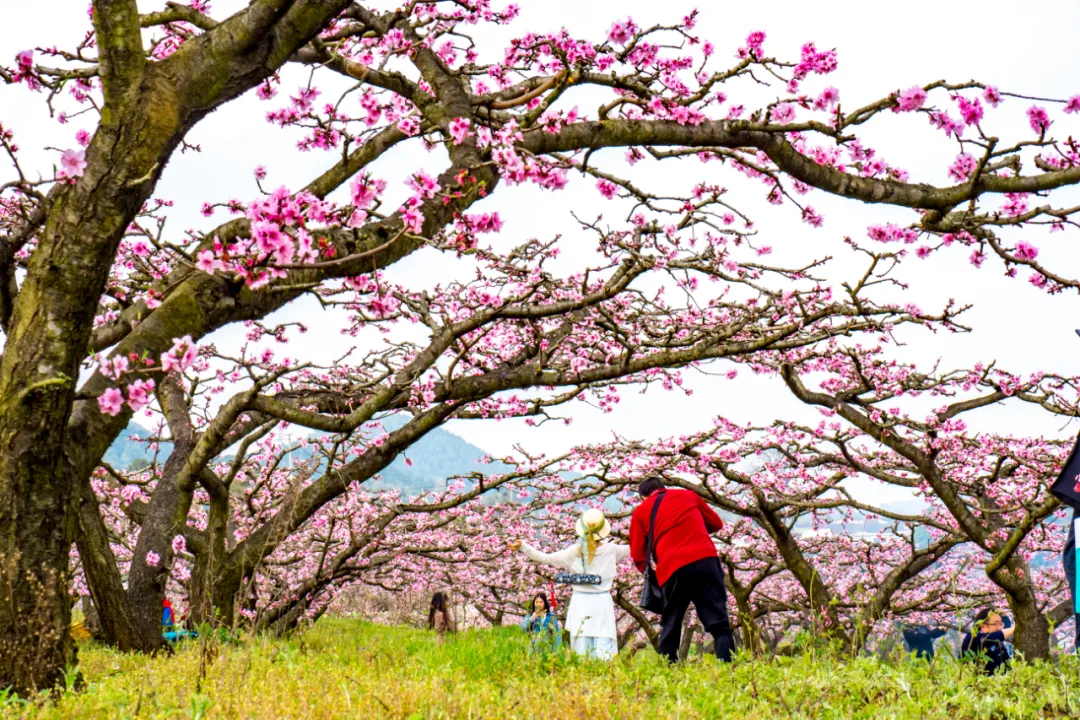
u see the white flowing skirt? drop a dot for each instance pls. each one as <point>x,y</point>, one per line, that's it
<point>591,615</point>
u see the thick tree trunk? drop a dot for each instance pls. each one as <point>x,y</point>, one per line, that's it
<point>200,605</point>
<point>747,624</point>
<point>147,110</point>
<point>165,518</point>
<point>223,595</point>
<point>50,329</point>
<point>1032,636</point>
<point>825,617</point>
<point>92,619</point>
<point>102,575</point>
<point>35,644</point>
<point>214,585</point>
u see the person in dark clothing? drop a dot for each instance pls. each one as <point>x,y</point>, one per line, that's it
<point>987,641</point>
<point>687,565</point>
<point>920,639</point>
<point>1068,559</point>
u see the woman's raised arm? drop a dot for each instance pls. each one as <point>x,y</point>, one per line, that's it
<point>563,558</point>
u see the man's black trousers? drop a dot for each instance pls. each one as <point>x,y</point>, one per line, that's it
<point>702,583</point>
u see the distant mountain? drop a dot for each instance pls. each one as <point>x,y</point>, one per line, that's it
<point>124,451</point>
<point>439,455</point>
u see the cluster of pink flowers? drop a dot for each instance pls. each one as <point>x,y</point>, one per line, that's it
<point>180,356</point>
<point>1038,119</point>
<point>459,129</point>
<point>279,234</point>
<point>828,98</point>
<point>813,61</point>
<point>911,99</point>
<point>139,391</point>
<point>24,70</point>
<point>752,49</point>
<point>971,111</point>
<point>622,33</point>
<point>963,167</point>
<point>1026,251</point>
<point>889,232</point>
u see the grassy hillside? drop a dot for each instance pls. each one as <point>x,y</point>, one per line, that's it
<point>348,669</point>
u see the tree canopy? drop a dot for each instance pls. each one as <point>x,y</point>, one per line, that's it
<point>108,310</point>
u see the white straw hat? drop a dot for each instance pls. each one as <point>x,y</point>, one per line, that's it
<point>593,522</point>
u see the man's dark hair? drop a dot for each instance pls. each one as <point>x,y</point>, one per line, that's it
<point>650,485</point>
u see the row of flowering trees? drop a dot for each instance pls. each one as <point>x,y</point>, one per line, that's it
<point>108,312</point>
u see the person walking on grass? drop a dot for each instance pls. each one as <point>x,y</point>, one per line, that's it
<point>542,625</point>
<point>687,565</point>
<point>986,640</point>
<point>441,617</point>
<point>591,616</point>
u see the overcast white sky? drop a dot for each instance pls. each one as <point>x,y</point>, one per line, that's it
<point>882,47</point>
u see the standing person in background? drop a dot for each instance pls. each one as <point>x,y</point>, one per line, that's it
<point>542,625</point>
<point>171,629</point>
<point>168,618</point>
<point>591,616</point>
<point>687,564</point>
<point>440,616</point>
<point>168,621</point>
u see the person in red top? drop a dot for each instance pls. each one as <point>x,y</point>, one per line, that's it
<point>687,566</point>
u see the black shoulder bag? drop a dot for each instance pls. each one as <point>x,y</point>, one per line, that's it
<point>652,597</point>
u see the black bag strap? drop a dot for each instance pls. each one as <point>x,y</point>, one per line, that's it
<point>650,550</point>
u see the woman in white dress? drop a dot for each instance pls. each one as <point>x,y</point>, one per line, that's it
<point>591,617</point>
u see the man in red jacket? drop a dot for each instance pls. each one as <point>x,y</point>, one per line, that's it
<point>687,566</point>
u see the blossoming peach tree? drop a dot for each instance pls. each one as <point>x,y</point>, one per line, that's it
<point>106,314</point>
<point>803,546</point>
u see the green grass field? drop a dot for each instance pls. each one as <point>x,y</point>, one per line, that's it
<point>348,669</point>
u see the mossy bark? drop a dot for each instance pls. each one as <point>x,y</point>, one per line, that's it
<point>1032,636</point>
<point>50,330</point>
<point>106,589</point>
<point>213,590</point>
<point>148,109</point>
